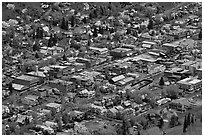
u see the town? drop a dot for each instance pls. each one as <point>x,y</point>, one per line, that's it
<point>102,68</point>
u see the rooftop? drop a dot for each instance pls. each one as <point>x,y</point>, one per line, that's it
<point>189,81</point>
<point>27,78</point>
<point>53,105</point>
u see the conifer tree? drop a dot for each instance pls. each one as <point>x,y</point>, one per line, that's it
<point>72,21</point>
<point>200,35</point>
<point>161,81</point>
<point>185,125</point>
<point>63,23</point>
<point>150,25</point>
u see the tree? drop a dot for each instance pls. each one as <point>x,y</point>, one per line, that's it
<point>200,35</point>
<point>50,41</point>
<point>150,25</point>
<point>63,23</point>
<point>161,81</point>
<point>36,55</point>
<point>193,119</point>
<point>185,125</point>
<point>54,40</point>
<point>189,119</point>
<point>59,124</point>
<point>171,92</point>
<point>173,121</point>
<point>72,19</point>
<point>124,128</point>
<point>64,57</point>
<point>10,87</point>
<point>160,123</point>
<point>95,34</point>
<point>66,25</point>
<point>35,47</point>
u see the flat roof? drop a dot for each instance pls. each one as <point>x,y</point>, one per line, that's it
<point>117,78</point>
<point>18,86</point>
<point>38,73</point>
<point>27,78</point>
<point>99,49</point>
<point>121,49</point>
<point>58,66</point>
<point>170,45</point>
<point>189,81</point>
<point>54,105</point>
<point>149,42</point>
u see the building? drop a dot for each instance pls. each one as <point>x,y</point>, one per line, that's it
<point>128,112</point>
<point>38,74</point>
<point>112,112</point>
<point>87,94</point>
<point>192,66</point>
<point>53,107</point>
<point>120,52</point>
<point>26,80</point>
<point>181,104</point>
<point>20,88</point>
<point>100,51</point>
<point>88,63</point>
<point>126,81</point>
<point>117,78</point>
<point>59,71</point>
<point>51,50</point>
<point>78,66</point>
<point>30,100</point>
<point>199,73</point>
<point>148,44</point>
<point>62,85</point>
<point>190,84</point>
<point>156,68</point>
<point>169,47</point>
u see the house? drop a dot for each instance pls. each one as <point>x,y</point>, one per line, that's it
<point>192,66</point>
<point>148,44</point>
<point>70,96</point>
<point>5,109</point>
<point>59,71</point>
<point>26,80</point>
<point>87,94</point>
<point>128,112</point>
<point>50,124</point>
<point>120,52</point>
<point>156,68</point>
<point>117,78</point>
<point>53,107</point>
<point>79,79</point>
<point>30,100</point>
<point>21,119</point>
<point>125,81</point>
<point>38,74</point>
<point>101,110</point>
<point>111,113</point>
<point>43,92</point>
<point>78,66</point>
<point>100,51</point>
<point>20,88</point>
<point>190,84</point>
<point>88,63</point>
<point>45,128</point>
<point>199,73</point>
<point>169,47</point>
<point>51,50</point>
<point>62,85</point>
<point>181,104</point>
